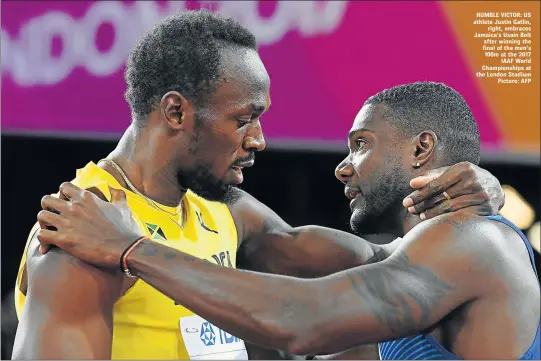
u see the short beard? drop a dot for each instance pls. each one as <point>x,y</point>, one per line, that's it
<point>202,182</point>
<point>199,179</point>
<point>382,204</point>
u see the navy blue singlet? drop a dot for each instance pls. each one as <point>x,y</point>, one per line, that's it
<point>425,347</point>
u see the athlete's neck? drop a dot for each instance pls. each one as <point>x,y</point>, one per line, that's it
<point>410,221</point>
<point>397,221</point>
<point>145,164</point>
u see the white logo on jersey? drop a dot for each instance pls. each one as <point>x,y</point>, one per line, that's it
<point>204,341</point>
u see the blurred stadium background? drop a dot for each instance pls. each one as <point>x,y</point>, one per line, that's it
<point>62,98</point>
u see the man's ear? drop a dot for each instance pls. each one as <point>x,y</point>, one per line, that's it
<point>424,145</point>
<point>176,110</point>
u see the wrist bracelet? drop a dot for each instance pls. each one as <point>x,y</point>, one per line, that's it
<point>124,257</point>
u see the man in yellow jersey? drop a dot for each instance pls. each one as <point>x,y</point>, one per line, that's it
<point>197,90</point>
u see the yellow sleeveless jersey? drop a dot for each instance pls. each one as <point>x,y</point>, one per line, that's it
<point>147,324</point>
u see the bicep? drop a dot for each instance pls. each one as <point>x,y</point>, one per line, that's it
<point>269,244</point>
<point>68,309</point>
<point>309,251</point>
<point>253,217</point>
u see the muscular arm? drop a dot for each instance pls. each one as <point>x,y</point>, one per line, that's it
<point>430,274</point>
<point>68,309</point>
<point>268,244</point>
<point>309,252</point>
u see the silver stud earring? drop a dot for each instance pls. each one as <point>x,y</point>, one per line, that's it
<point>417,165</point>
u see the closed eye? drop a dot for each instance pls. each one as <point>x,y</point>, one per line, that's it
<point>242,122</point>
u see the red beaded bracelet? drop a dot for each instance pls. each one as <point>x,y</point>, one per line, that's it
<point>124,257</point>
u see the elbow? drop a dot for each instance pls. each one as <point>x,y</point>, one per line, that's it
<point>315,339</point>
<point>298,326</point>
<point>307,334</point>
<point>300,349</point>
<point>281,333</point>
<point>300,339</point>
<point>315,333</point>
<point>291,332</point>
<point>306,342</point>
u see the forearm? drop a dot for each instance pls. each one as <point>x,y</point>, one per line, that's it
<point>326,315</point>
<point>266,310</point>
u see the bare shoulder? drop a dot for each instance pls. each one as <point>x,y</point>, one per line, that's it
<point>459,229</point>
<point>504,249</point>
<point>252,217</point>
<point>493,262</point>
<point>57,264</point>
<point>58,269</point>
<point>58,274</point>
<point>245,203</point>
<point>487,246</point>
<point>68,309</point>
<point>493,237</point>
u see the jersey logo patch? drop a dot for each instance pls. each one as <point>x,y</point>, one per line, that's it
<point>156,232</point>
<point>202,223</point>
<point>207,334</point>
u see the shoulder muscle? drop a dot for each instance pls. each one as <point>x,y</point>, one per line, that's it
<point>253,217</point>
<point>68,308</point>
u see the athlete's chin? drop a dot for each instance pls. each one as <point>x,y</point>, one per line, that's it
<point>233,176</point>
<point>357,220</point>
<point>227,194</point>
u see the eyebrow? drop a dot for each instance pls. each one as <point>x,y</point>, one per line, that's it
<point>352,133</point>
